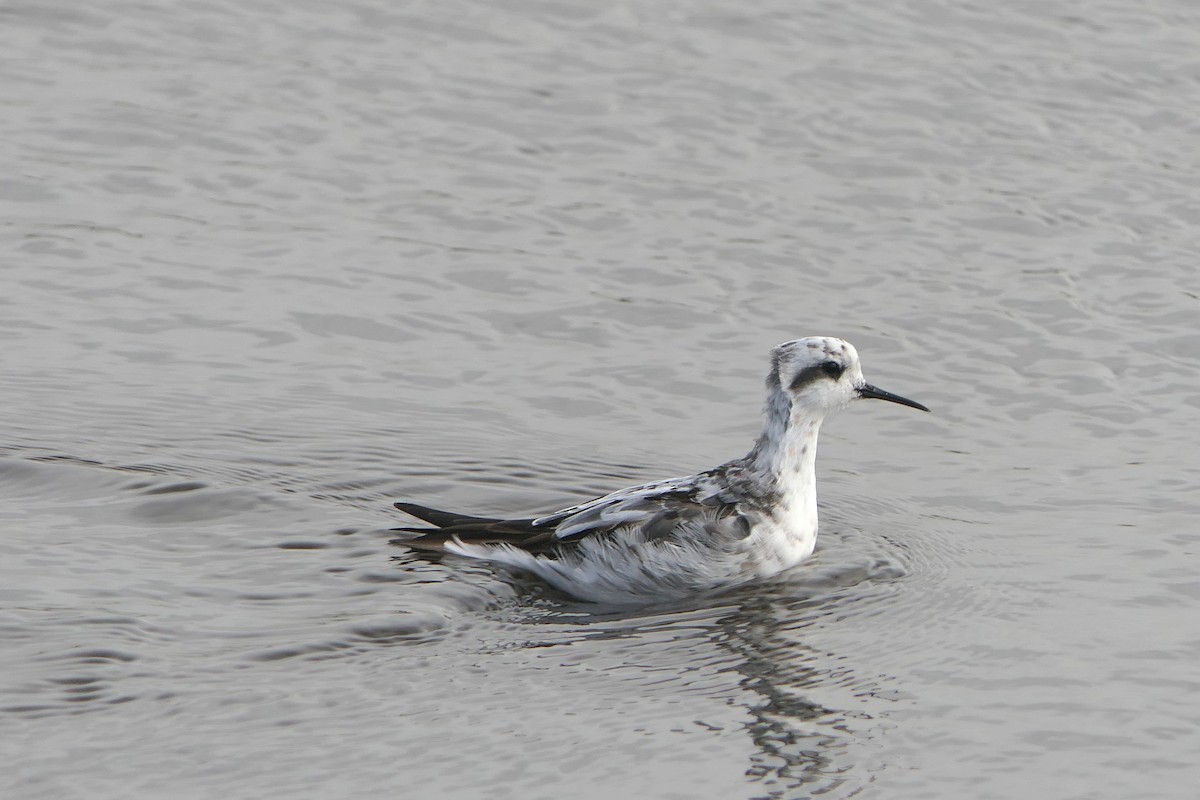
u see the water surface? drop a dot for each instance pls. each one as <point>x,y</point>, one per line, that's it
<point>271,266</point>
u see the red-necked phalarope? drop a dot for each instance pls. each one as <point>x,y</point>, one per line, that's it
<point>749,518</point>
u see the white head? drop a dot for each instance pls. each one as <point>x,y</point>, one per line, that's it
<point>821,374</point>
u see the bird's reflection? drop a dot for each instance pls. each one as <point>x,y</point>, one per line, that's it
<point>759,638</point>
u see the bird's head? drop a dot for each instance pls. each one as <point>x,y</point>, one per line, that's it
<point>821,375</point>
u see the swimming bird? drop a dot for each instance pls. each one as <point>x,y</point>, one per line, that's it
<point>749,518</point>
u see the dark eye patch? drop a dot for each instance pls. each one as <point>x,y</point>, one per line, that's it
<point>833,369</point>
<point>830,369</point>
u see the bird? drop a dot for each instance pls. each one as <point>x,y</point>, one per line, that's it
<point>748,519</point>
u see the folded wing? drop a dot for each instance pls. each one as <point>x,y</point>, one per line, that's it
<point>657,512</point>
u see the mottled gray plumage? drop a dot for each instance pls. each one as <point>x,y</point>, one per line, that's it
<point>750,517</point>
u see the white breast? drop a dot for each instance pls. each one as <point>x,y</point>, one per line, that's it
<point>785,540</point>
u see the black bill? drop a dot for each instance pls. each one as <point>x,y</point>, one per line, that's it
<point>872,393</point>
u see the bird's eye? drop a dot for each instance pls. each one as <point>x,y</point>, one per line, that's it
<point>832,369</point>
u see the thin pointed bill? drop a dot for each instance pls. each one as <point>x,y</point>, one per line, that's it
<point>872,393</point>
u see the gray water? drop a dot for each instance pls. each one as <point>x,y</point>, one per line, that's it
<point>269,266</point>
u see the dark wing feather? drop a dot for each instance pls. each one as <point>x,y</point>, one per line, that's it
<point>441,519</point>
<point>522,533</point>
<point>660,516</point>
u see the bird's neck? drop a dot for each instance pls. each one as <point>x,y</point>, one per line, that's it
<point>785,456</point>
